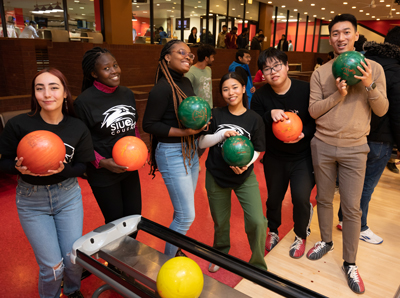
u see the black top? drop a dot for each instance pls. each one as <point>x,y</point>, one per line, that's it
<point>255,44</point>
<point>160,115</point>
<point>242,41</point>
<point>109,117</point>
<point>192,38</point>
<point>72,131</point>
<point>387,128</point>
<point>250,125</point>
<point>296,99</point>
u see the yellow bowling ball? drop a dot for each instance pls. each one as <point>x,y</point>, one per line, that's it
<point>180,277</point>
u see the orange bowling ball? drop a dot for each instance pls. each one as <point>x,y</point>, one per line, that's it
<point>42,150</point>
<point>130,152</point>
<point>289,129</point>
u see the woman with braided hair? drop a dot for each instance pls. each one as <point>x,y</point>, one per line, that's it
<point>109,111</point>
<point>173,146</point>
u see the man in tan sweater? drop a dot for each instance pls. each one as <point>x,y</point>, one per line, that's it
<point>342,115</point>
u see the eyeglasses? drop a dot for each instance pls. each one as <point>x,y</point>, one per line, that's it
<point>185,54</point>
<point>268,71</point>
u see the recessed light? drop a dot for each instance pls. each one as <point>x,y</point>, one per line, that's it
<point>300,0</point>
<point>387,5</point>
<point>173,7</point>
<point>70,8</point>
<point>158,4</point>
<point>353,7</point>
<point>217,5</point>
<point>295,9</point>
<point>283,6</point>
<point>312,4</point>
<point>247,12</point>
<point>241,3</point>
<point>83,14</point>
<point>269,2</point>
<point>144,11</point>
<point>393,9</point>
<point>306,12</point>
<point>323,18</point>
<point>373,17</point>
<point>397,12</point>
<point>81,7</point>
<point>322,8</point>
<point>233,9</point>
<point>76,1</point>
<point>382,1</point>
<point>315,16</point>
<point>367,13</point>
<point>137,6</point>
<point>361,10</point>
<point>332,11</point>
<point>378,19</point>
<point>344,3</point>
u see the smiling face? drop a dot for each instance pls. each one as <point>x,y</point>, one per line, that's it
<point>343,36</point>
<point>232,92</point>
<point>179,58</point>
<point>275,72</point>
<point>107,70</point>
<point>49,92</point>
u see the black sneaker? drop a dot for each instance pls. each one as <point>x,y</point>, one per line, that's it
<point>392,167</point>
<point>354,280</point>
<point>76,294</point>
<point>319,250</point>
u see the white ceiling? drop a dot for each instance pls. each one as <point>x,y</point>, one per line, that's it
<point>318,8</point>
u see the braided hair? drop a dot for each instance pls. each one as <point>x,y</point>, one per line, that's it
<point>89,65</point>
<point>188,142</point>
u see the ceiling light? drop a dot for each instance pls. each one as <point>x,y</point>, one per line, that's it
<point>393,9</point>
<point>353,7</point>
<point>83,14</point>
<point>137,6</point>
<point>387,5</point>
<point>295,9</point>
<point>158,4</point>
<point>373,17</point>
<point>283,6</point>
<point>367,13</point>
<point>312,4</point>
<point>344,3</point>
<point>332,11</point>
<point>382,1</point>
<point>306,12</point>
<point>322,8</point>
<point>76,1</point>
<point>361,10</point>
<point>323,18</point>
<point>397,12</point>
<point>378,19</point>
<point>247,12</point>
<point>233,9</point>
<point>70,8</point>
<point>241,3</point>
<point>217,5</point>
<point>269,2</point>
<point>315,16</point>
<point>300,0</point>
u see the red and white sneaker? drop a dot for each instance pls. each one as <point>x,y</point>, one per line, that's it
<point>298,248</point>
<point>354,280</point>
<point>272,241</point>
<point>340,225</point>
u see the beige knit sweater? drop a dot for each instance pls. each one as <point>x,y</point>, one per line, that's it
<point>345,121</point>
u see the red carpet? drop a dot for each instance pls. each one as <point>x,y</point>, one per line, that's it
<point>19,275</point>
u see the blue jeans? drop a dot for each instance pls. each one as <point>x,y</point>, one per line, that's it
<point>181,186</point>
<point>378,157</point>
<point>52,219</point>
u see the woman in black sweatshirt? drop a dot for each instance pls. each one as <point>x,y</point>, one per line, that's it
<point>173,146</point>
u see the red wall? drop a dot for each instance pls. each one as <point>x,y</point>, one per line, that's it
<point>381,26</point>
<point>141,25</point>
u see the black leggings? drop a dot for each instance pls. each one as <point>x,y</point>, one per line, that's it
<point>300,174</point>
<point>120,199</point>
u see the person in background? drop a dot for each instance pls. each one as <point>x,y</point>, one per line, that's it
<point>243,39</point>
<point>358,45</point>
<point>285,162</point>
<point>319,63</point>
<point>385,131</point>
<point>162,34</point>
<point>342,115</point>
<point>230,39</point>
<point>193,36</point>
<point>290,46</point>
<point>259,79</point>
<point>173,147</point>
<point>221,179</point>
<point>283,44</point>
<point>49,205</point>
<point>330,56</point>
<point>241,66</point>
<point>109,111</point>
<point>29,31</point>
<point>221,37</point>
<point>256,42</point>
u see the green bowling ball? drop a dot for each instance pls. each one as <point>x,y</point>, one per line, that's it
<point>194,112</point>
<point>345,66</point>
<point>237,151</point>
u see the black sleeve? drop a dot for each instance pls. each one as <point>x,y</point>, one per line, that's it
<point>258,106</point>
<point>7,165</point>
<point>74,169</point>
<point>156,106</point>
<point>393,94</point>
<point>240,71</point>
<point>9,139</point>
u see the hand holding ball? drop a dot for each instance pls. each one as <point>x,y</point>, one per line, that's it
<point>130,152</point>
<point>345,67</point>
<point>237,151</point>
<point>194,112</point>
<point>289,129</point>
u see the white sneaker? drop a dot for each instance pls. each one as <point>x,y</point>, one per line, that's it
<point>370,237</point>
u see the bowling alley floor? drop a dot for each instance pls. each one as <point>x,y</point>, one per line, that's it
<point>379,265</point>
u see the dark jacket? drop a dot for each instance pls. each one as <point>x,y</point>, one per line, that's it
<point>387,128</point>
<point>192,38</point>
<point>255,44</point>
<point>285,46</point>
<point>242,41</point>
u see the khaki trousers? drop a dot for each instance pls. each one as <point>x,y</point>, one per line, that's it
<point>351,164</point>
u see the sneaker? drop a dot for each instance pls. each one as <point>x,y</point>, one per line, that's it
<point>319,250</point>
<point>392,167</point>
<point>370,237</point>
<point>354,280</point>
<point>340,225</point>
<point>298,248</point>
<point>272,241</point>
<point>213,268</point>
<point>76,294</point>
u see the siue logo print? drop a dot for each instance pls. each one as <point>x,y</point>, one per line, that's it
<point>119,119</point>
<point>69,153</point>
<point>240,130</point>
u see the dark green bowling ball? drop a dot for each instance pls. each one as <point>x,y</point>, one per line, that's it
<point>345,66</point>
<point>194,112</point>
<point>237,151</point>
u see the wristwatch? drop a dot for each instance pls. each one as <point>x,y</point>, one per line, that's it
<point>371,87</point>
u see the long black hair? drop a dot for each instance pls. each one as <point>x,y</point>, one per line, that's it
<point>188,143</point>
<point>89,65</point>
<point>237,77</point>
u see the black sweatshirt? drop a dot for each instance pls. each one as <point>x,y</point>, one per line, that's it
<point>160,115</point>
<point>296,99</point>
<point>72,131</point>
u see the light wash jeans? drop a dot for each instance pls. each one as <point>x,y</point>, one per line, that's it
<point>52,219</point>
<point>181,186</point>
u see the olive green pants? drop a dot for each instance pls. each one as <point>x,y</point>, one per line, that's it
<point>248,194</point>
